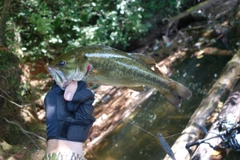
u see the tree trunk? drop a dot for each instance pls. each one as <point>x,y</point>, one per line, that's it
<point>3,21</point>
<point>219,91</point>
<point>231,113</point>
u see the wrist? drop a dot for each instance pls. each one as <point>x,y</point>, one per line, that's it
<point>56,145</point>
<point>70,130</point>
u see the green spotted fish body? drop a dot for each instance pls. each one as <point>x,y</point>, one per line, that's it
<point>109,66</point>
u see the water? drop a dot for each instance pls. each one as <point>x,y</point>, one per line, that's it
<point>156,115</point>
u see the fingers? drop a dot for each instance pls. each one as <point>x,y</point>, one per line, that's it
<point>84,114</point>
<point>70,90</point>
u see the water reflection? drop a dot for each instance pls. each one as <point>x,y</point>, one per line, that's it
<point>156,115</point>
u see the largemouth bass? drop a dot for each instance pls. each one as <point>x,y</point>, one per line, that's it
<point>109,66</point>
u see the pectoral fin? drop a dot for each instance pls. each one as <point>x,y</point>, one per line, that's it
<point>98,72</point>
<point>94,72</point>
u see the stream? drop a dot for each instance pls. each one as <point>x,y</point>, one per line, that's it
<point>136,137</point>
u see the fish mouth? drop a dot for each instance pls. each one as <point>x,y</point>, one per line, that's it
<point>59,77</point>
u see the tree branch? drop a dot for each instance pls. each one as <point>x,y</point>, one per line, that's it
<point>27,133</point>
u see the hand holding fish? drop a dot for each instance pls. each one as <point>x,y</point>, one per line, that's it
<point>68,120</point>
<point>109,66</point>
<point>65,117</point>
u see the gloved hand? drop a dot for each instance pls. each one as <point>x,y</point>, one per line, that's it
<point>69,120</point>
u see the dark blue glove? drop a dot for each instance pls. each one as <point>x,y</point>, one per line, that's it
<point>69,120</point>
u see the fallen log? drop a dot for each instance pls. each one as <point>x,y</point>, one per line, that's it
<point>219,91</point>
<point>164,66</point>
<point>229,113</point>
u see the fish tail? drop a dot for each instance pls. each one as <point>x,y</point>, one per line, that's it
<point>177,93</point>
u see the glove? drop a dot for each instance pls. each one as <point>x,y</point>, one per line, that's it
<point>69,120</point>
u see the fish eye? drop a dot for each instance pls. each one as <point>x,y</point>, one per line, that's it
<point>62,63</point>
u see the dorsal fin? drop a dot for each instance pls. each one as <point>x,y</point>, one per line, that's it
<point>145,58</point>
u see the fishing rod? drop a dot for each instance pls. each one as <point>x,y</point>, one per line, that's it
<point>230,139</point>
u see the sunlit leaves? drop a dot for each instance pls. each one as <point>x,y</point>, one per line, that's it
<point>56,39</point>
<point>64,24</point>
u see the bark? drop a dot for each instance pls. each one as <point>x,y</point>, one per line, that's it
<point>3,21</point>
<point>231,109</point>
<point>219,91</point>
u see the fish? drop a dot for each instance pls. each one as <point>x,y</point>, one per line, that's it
<point>109,66</point>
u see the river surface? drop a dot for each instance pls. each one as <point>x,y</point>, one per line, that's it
<point>135,138</point>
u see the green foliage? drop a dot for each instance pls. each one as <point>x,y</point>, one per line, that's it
<point>47,27</point>
<point>42,24</point>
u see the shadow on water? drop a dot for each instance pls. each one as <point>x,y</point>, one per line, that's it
<point>156,115</point>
